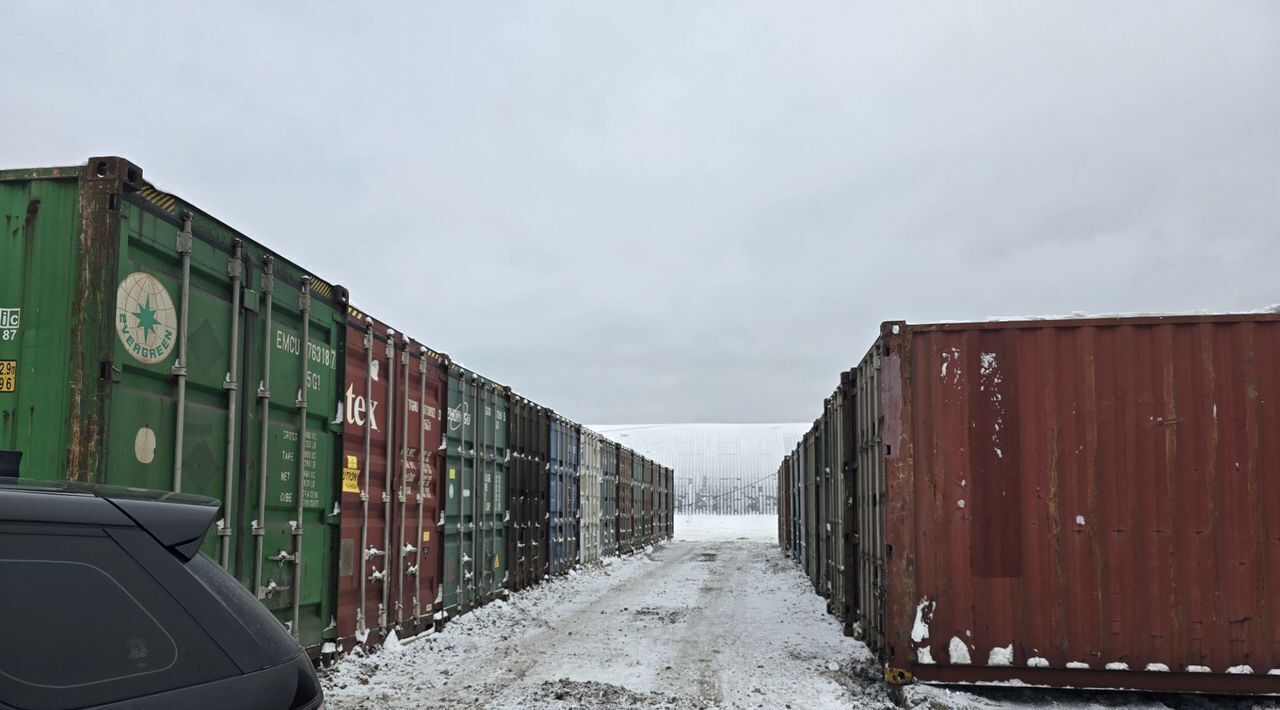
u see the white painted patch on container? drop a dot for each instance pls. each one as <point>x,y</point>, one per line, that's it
<point>924,613</point>
<point>1240,670</point>
<point>1080,520</point>
<point>1157,668</point>
<point>1199,669</point>
<point>1117,666</point>
<point>924,656</point>
<point>1001,656</point>
<point>1037,662</point>
<point>958,651</point>
<point>1077,665</point>
<point>960,503</point>
<point>144,445</point>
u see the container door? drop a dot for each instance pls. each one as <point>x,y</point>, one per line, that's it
<point>494,490</point>
<point>294,345</point>
<point>542,495</point>
<point>637,503</point>
<point>572,498</point>
<point>362,569</point>
<point>416,507</point>
<point>623,523</point>
<point>553,497</point>
<point>516,495</point>
<point>869,493</point>
<point>271,461</point>
<point>459,569</point>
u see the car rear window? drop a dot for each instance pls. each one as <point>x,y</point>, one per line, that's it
<point>102,635</point>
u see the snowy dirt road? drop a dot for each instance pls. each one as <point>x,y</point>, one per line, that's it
<point>712,623</point>
<point>685,625</point>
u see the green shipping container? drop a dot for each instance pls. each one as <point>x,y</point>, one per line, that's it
<point>144,343</point>
<point>475,565</point>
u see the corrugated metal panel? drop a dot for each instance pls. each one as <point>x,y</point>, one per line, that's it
<point>626,501</point>
<point>563,530</point>
<point>1101,493</point>
<point>475,491</point>
<point>530,426</point>
<point>719,468</point>
<point>363,580</point>
<point>589,494</point>
<point>608,498</point>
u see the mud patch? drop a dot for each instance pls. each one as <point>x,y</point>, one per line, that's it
<point>565,693</point>
<point>666,616</point>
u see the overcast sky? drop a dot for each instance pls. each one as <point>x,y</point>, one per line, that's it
<point>691,211</point>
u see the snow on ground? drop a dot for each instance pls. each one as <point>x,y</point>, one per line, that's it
<point>685,625</point>
<point>756,528</point>
<point>689,624</point>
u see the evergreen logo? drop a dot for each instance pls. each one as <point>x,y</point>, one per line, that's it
<point>145,318</point>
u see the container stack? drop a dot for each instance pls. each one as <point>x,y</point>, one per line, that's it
<point>369,484</point>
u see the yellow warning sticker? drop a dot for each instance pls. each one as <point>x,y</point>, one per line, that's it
<point>453,473</point>
<point>350,480</point>
<point>497,562</point>
<point>426,536</point>
<point>353,462</point>
<point>8,375</point>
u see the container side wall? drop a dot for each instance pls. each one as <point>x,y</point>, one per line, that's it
<point>37,299</point>
<point>1088,493</point>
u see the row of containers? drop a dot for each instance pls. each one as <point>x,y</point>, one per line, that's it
<point>369,484</point>
<point>1086,503</point>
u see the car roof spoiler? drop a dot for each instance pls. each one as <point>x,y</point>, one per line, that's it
<point>179,525</point>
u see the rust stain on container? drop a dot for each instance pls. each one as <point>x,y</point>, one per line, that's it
<point>1084,503</point>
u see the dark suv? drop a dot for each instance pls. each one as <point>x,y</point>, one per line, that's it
<point>106,601</point>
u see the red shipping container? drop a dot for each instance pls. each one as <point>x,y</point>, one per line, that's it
<point>1082,503</point>
<point>390,572</point>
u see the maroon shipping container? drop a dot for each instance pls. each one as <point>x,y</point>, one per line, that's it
<point>389,573</point>
<point>1083,503</point>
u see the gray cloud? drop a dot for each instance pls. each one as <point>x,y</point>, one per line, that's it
<point>671,211</point>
